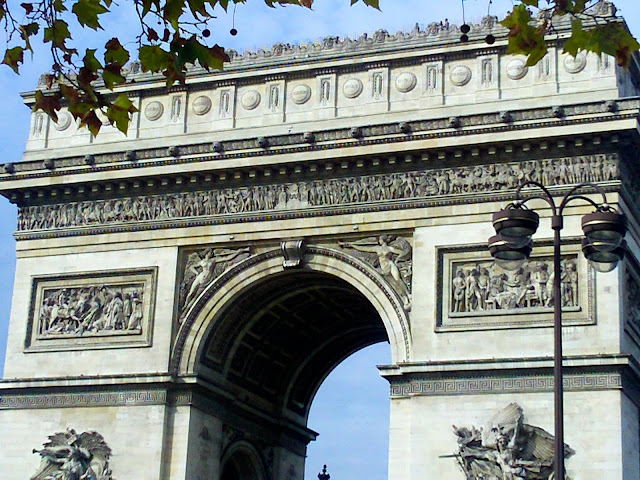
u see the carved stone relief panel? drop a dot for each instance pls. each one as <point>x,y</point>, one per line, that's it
<point>70,455</point>
<point>433,78</point>
<point>224,110</point>
<point>154,110</point>
<point>320,193</point>
<point>460,75</point>
<point>200,268</point>
<point>517,69</point>
<point>575,64</point>
<point>506,448</point>
<point>475,292</point>
<point>391,256</point>
<point>487,72</point>
<point>92,310</point>
<point>201,105</point>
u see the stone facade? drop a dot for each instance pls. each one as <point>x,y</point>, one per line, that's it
<point>184,290</point>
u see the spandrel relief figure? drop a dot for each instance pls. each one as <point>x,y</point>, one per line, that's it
<point>73,456</point>
<point>391,256</point>
<point>203,267</point>
<point>506,448</point>
<point>86,311</point>
<point>483,285</point>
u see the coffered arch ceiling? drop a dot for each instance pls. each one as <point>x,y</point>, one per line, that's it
<point>285,334</point>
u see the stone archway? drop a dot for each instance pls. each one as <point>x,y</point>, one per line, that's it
<point>223,294</point>
<point>241,462</point>
<point>263,338</point>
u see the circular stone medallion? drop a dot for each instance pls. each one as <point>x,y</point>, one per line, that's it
<point>201,105</point>
<point>64,120</point>
<point>460,75</point>
<point>153,111</point>
<point>301,94</point>
<point>250,99</point>
<point>352,88</point>
<point>517,69</point>
<point>575,64</point>
<point>406,82</point>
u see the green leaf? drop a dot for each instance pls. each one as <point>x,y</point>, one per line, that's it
<point>153,58</point>
<point>57,34</point>
<point>119,112</point>
<point>58,6</point>
<point>27,31</point>
<point>13,57</point>
<point>172,12</point>
<point>609,38</point>
<point>115,53</point>
<point>90,61</point>
<point>112,75</point>
<point>87,12</point>
<point>524,38</point>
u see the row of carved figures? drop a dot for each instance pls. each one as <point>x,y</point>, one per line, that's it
<point>338,191</point>
<point>484,287</point>
<point>94,309</point>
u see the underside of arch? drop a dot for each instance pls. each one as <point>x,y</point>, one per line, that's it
<point>288,332</point>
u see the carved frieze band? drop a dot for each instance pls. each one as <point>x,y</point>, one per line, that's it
<point>216,205</point>
<point>92,310</point>
<point>528,384</point>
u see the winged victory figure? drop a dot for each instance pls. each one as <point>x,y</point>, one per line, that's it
<point>391,256</point>
<point>506,448</point>
<point>72,456</point>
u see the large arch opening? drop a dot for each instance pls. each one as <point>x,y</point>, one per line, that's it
<point>282,336</point>
<point>261,339</point>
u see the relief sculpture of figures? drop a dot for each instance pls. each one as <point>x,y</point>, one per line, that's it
<point>482,285</point>
<point>319,193</point>
<point>506,448</point>
<point>202,267</point>
<point>391,256</point>
<point>90,310</point>
<point>74,456</point>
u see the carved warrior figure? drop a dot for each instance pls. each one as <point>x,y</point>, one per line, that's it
<point>96,309</point>
<point>201,269</point>
<point>506,448</point>
<point>73,456</point>
<point>479,286</point>
<point>391,256</point>
<point>319,193</point>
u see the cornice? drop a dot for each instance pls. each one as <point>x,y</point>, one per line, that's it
<point>20,177</point>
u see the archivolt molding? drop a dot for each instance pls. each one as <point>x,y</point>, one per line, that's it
<point>220,294</point>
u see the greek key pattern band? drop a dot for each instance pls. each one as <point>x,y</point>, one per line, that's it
<point>474,386</point>
<point>74,400</point>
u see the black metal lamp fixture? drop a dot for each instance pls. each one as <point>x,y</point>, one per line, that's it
<point>603,245</point>
<point>604,232</point>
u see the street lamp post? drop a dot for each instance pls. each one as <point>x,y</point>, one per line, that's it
<point>603,246</point>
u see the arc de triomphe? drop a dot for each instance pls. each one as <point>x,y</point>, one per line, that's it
<point>184,290</point>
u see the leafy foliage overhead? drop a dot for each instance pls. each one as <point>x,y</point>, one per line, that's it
<point>173,36</point>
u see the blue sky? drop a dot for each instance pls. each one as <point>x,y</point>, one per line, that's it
<point>351,408</point>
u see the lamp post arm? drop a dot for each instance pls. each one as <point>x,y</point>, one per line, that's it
<point>570,194</point>
<point>546,195</point>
